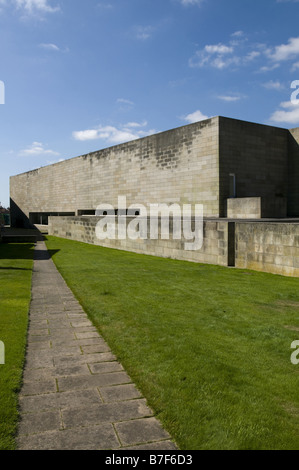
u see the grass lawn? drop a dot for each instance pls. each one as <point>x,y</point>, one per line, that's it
<point>15,292</point>
<point>208,346</point>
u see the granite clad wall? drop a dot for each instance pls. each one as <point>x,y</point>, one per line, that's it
<point>255,208</point>
<point>268,247</point>
<point>177,166</point>
<point>293,177</point>
<point>258,156</point>
<point>244,208</point>
<point>191,164</point>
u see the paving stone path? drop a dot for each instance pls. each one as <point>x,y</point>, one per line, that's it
<point>75,394</point>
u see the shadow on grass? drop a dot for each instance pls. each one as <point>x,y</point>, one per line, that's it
<point>16,251</point>
<point>14,269</point>
<point>23,251</point>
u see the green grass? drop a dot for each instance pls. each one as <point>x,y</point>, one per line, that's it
<point>15,292</point>
<point>208,346</point>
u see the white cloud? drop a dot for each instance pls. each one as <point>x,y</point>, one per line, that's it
<point>217,55</point>
<point>269,68</point>
<point>31,6</point>
<point>36,149</point>
<point>221,56</point>
<point>288,104</point>
<point>195,117</point>
<point>53,47</point>
<point>144,32</point>
<point>239,52</point>
<point>281,53</point>
<point>273,85</point>
<point>49,47</point>
<point>219,49</point>
<point>114,135</point>
<point>125,101</point>
<point>230,98</point>
<point>89,134</point>
<point>237,34</point>
<point>191,2</point>
<point>238,38</point>
<point>290,116</point>
<point>286,51</point>
<point>136,124</point>
<point>251,56</point>
<point>220,62</point>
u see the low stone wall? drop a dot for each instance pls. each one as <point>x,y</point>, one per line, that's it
<point>260,246</point>
<point>244,208</point>
<point>256,208</point>
<point>214,249</point>
<point>268,247</point>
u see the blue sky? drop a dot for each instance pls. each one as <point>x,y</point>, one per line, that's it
<point>84,75</point>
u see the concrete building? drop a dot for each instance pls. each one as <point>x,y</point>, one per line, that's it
<point>236,169</point>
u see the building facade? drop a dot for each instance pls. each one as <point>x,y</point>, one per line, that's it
<point>237,170</point>
<point>207,163</point>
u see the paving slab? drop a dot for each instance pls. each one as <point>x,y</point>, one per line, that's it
<point>75,394</point>
<point>131,432</point>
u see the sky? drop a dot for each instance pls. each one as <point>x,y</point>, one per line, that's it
<point>78,76</point>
